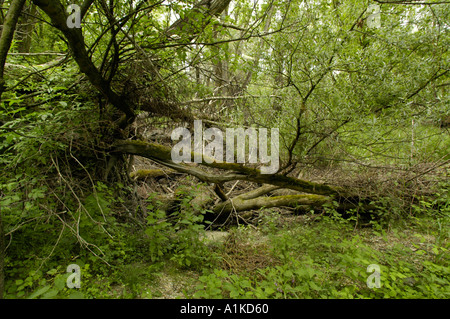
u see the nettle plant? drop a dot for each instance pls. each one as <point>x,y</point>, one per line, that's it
<point>178,235</point>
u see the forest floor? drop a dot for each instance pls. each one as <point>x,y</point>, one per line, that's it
<point>337,253</point>
<point>269,253</point>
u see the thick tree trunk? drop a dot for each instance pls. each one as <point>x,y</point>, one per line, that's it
<point>308,195</point>
<point>9,26</point>
<point>26,27</point>
<point>240,204</point>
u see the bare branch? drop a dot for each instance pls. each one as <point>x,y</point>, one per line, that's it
<point>227,98</point>
<point>38,53</point>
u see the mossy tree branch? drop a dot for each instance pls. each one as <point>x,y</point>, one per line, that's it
<point>238,204</point>
<point>197,19</point>
<point>312,195</point>
<point>162,155</point>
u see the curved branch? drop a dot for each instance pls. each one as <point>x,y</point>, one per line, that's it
<point>162,155</point>
<point>55,10</point>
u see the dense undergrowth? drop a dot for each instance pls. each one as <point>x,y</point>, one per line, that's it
<point>366,108</point>
<point>285,256</point>
<point>57,212</point>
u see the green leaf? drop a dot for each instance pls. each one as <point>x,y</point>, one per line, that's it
<point>77,295</point>
<point>313,286</point>
<point>50,294</point>
<point>39,292</point>
<point>52,272</point>
<point>60,282</point>
<point>269,290</point>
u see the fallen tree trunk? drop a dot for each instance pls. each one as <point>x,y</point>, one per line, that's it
<point>220,212</point>
<point>143,174</point>
<point>312,195</point>
<point>162,155</point>
<point>308,195</point>
<point>238,204</point>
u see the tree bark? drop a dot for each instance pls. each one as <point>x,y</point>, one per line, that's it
<point>248,201</point>
<point>144,174</point>
<point>191,24</point>
<point>311,194</point>
<point>9,26</point>
<point>26,27</point>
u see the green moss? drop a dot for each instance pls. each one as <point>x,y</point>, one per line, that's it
<point>163,153</point>
<point>145,149</point>
<point>147,173</point>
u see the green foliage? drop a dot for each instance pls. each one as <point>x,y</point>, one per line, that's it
<point>48,285</point>
<point>328,259</point>
<point>181,237</point>
<point>362,97</point>
<point>158,231</point>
